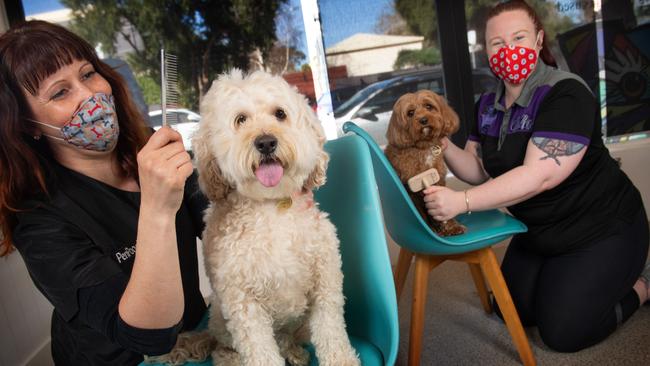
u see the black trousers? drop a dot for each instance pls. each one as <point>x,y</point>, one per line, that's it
<point>578,298</point>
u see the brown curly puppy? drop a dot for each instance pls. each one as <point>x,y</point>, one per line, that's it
<point>418,123</point>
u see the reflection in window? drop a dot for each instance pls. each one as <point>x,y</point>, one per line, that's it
<point>384,101</point>
<point>386,49</point>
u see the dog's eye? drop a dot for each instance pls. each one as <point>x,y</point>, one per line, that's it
<point>240,119</point>
<point>410,113</point>
<point>428,107</point>
<point>280,115</point>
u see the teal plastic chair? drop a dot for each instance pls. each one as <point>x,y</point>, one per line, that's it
<point>416,239</point>
<point>354,207</point>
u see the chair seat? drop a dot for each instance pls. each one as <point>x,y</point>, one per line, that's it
<point>484,228</point>
<point>485,225</point>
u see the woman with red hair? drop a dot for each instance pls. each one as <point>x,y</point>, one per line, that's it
<point>537,149</point>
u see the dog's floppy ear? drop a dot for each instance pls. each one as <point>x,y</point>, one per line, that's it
<point>211,181</point>
<point>397,132</point>
<point>318,176</point>
<point>449,116</point>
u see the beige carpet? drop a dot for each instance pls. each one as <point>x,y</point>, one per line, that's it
<point>458,332</point>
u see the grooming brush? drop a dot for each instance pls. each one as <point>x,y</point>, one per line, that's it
<point>423,180</point>
<point>168,86</point>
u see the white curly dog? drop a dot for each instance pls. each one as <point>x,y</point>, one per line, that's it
<point>271,255</point>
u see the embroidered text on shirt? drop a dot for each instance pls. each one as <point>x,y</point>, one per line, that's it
<point>126,254</point>
<point>522,123</point>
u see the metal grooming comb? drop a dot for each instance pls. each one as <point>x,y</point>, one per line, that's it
<point>168,86</point>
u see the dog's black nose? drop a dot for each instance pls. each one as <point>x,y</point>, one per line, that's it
<point>266,144</point>
<point>423,121</point>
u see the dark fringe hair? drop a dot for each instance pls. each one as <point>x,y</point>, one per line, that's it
<point>29,53</point>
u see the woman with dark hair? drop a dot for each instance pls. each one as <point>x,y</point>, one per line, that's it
<point>537,149</point>
<point>84,186</point>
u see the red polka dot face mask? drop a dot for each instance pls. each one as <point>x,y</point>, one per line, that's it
<point>513,64</point>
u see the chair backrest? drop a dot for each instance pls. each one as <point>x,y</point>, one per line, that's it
<point>350,198</point>
<point>400,213</point>
<point>409,229</point>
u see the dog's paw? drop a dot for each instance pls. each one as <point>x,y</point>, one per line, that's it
<point>296,355</point>
<point>450,228</point>
<point>225,357</point>
<point>190,347</point>
<point>344,357</point>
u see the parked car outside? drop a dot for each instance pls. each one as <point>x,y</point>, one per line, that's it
<point>340,95</point>
<point>185,121</point>
<point>371,107</point>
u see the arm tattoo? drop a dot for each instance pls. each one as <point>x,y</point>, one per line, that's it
<point>555,148</point>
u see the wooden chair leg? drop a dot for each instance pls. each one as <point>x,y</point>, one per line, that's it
<point>420,282</point>
<point>479,281</point>
<point>401,270</point>
<point>492,272</point>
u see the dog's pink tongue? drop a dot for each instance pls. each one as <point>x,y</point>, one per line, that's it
<point>269,174</point>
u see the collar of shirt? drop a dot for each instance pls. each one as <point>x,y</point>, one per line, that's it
<point>539,76</point>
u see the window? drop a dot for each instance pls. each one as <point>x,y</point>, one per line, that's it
<point>433,85</point>
<point>383,102</point>
<point>374,47</point>
<point>626,29</point>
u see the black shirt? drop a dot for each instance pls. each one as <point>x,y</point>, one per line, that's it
<point>558,105</point>
<point>79,248</point>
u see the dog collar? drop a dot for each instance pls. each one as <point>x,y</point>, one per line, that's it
<point>436,150</point>
<point>284,204</point>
